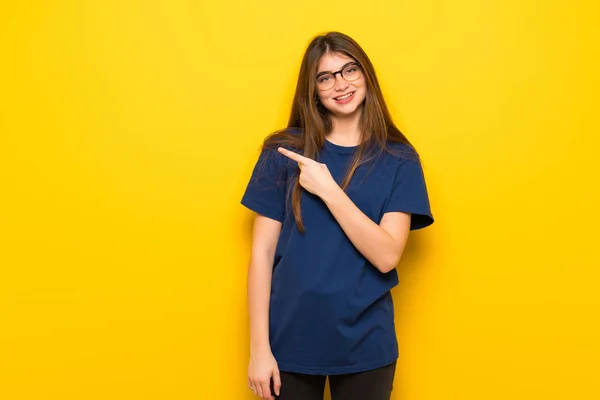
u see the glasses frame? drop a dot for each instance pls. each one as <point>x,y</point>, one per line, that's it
<point>339,72</point>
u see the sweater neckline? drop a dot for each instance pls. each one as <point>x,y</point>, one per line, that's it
<point>339,148</point>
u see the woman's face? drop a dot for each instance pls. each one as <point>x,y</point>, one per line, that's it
<point>336,98</point>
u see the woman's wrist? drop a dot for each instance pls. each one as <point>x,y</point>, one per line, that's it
<point>260,348</point>
<point>331,193</point>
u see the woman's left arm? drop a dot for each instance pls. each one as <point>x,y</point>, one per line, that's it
<point>381,244</point>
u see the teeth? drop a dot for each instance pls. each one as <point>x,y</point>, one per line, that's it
<point>344,97</point>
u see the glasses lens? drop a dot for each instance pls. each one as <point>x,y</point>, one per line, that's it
<point>326,81</point>
<point>351,72</point>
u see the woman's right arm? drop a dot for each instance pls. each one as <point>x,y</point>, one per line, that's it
<point>262,365</point>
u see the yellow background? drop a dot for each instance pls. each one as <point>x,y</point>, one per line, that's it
<point>128,130</point>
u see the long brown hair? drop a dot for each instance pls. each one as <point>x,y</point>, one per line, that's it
<point>314,120</point>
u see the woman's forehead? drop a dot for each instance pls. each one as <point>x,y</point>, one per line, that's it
<point>333,62</point>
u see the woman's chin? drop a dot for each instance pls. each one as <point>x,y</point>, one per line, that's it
<point>343,112</point>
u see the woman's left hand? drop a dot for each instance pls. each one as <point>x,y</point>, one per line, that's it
<point>314,176</point>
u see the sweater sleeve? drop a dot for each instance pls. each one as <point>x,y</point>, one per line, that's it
<point>266,190</point>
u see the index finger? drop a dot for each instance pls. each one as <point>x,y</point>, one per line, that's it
<point>294,156</point>
<point>266,391</point>
<point>276,383</point>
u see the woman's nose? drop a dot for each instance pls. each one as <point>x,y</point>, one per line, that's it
<point>340,83</point>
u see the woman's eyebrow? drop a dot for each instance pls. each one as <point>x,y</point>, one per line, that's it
<point>328,72</point>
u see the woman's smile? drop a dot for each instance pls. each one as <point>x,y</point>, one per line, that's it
<point>344,98</point>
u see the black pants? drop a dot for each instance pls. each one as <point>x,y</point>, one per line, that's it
<point>369,385</point>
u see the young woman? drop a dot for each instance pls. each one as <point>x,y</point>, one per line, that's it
<point>336,193</point>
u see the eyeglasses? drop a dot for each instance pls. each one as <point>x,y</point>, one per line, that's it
<point>350,72</point>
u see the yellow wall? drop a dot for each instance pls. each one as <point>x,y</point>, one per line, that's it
<point>128,131</point>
